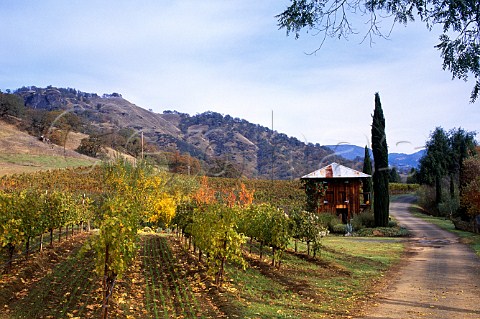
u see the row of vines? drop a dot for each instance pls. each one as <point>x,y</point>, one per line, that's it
<point>217,216</point>
<point>34,204</point>
<point>117,198</point>
<point>31,213</point>
<point>218,223</point>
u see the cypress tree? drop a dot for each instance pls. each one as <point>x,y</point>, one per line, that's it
<point>434,165</point>
<point>381,197</point>
<point>367,182</point>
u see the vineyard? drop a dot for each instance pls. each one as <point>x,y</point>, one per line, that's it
<point>133,242</point>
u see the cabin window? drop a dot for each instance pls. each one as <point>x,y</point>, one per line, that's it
<point>329,198</point>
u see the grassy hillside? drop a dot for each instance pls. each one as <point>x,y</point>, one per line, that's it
<point>225,146</point>
<point>22,153</point>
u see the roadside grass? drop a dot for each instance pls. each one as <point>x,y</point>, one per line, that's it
<point>471,239</point>
<point>338,283</point>
<point>25,163</point>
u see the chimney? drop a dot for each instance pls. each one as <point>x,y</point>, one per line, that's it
<point>329,171</point>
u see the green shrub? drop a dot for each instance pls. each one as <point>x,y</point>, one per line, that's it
<point>339,229</point>
<point>449,206</point>
<point>426,199</point>
<point>363,220</point>
<point>383,232</point>
<point>392,223</point>
<point>328,220</point>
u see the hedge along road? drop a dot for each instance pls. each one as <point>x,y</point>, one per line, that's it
<point>440,278</point>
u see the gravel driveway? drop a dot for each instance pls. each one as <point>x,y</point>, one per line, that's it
<point>440,278</point>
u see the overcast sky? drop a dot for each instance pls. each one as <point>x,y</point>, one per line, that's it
<point>230,57</point>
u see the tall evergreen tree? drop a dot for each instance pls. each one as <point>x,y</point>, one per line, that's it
<point>367,182</point>
<point>444,157</point>
<point>394,176</point>
<point>435,163</point>
<point>381,198</point>
<point>462,145</point>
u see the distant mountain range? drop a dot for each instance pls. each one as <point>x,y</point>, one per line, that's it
<point>403,162</point>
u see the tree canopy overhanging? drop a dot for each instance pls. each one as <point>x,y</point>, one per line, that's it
<point>459,43</point>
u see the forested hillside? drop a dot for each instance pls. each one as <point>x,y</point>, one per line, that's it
<point>218,145</point>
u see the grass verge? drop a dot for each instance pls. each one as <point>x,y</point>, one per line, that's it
<point>339,283</point>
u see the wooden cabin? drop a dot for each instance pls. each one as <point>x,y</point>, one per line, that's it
<point>336,189</point>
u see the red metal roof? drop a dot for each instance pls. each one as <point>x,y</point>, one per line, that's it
<point>335,170</point>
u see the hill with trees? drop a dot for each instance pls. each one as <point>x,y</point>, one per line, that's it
<point>217,144</point>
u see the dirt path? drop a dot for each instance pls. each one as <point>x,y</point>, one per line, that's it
<point>440,279</point>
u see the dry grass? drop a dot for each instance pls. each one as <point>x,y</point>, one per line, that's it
<point>74,139</point>
<point>22,153</point>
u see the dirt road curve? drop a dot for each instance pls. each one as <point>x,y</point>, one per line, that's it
<point>441,278</point>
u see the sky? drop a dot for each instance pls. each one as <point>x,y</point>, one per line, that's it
<point>230,57</point>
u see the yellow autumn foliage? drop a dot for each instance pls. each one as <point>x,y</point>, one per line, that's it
<point>163,209</point>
